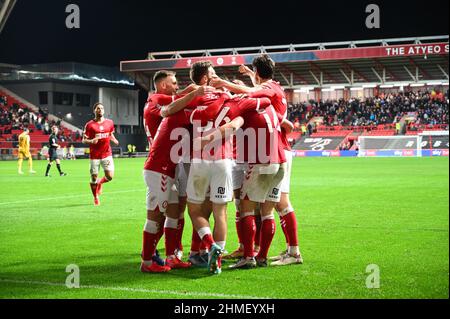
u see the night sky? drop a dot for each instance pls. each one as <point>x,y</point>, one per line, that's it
<point>115,30</point>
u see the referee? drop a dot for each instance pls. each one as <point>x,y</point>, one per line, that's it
<point>52,155</point>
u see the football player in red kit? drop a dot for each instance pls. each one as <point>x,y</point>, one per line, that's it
<point>166,86</point>
<point>98,133</point>
<point>159,175</point>
<point>262,77</point>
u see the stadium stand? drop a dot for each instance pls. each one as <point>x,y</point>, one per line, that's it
<point>15,115</point>
<point>377,116</point>
<point>431,108</point>
<point>353,88</point>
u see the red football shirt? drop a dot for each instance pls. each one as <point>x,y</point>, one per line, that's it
<point>231,109</point>
<point>162,157</point>
<point>275,93</point>
<point>103,132</point>
<point>152,109</point>
<point>208,99</point>
<point>261,142</point>
<point>152,113</point>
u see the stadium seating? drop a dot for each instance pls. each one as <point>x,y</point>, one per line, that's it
<point>14,116</point>
<point>379,110</point>
<point>375,116</point>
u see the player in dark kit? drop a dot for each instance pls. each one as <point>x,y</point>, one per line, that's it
<point>52,155</point>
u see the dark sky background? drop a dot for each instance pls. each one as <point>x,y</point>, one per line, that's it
<point>115,30</point>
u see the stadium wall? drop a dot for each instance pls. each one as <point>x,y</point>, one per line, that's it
<point>121,105</point>
<point>80,114</point>
<point>140,140</point>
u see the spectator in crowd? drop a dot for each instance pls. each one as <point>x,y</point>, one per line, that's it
<point>17,116</point>
<point>310,129</point>
<point>398,128</point>
<point>303,128</point>
<point>130,150</point>
<point>431,109</point>
<point>46,128</point>
<point>72,152</point>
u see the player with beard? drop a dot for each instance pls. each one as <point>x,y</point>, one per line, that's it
<point>159,175</point>
<point>99,133</point>
<point>166,95</point>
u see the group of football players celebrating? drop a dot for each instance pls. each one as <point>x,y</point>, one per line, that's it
<point>214,142</point>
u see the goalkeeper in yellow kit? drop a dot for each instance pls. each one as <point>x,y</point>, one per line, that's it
<point>24,151</point>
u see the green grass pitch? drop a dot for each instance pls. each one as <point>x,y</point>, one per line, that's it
<point>352,212</point>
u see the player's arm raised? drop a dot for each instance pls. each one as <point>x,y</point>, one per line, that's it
<point>188,89</point>
<point>253,104</point>
<point>256,92</point>
<point>245,70</point>
<point>180,104</point>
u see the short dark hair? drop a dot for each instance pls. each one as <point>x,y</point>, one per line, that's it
<point>95,106</point>
<point>198,70</point>
<point>161,75</point>
<point>265,66</point>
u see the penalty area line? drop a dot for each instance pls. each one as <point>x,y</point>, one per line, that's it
<point>127,289</point>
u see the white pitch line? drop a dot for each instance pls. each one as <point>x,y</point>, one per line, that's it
<point>65,197</point>
<point>143,290</point>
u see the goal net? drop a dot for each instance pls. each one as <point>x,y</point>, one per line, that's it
<point>390,146</point>
<point>427,143</point>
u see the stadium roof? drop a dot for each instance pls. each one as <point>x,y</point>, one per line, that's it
<point>408,60</point>
<point>65,71</point>
<point>6,6</point>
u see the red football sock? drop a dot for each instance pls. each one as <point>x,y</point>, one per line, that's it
<point>258,230</point>
<point>104,180</point>
<point>180,234</point>
<point>208,241</point>
<point>160,232</point>
<point>94,189</point>
<point>283,227</point>
<point>291,229</point>
<point>267,233</point>
<point>248,235</point>
<point>170,240</point>
<point>238,227</point>
<point>196,241</point>
<point>202,245</point>
<point>149,246</point>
